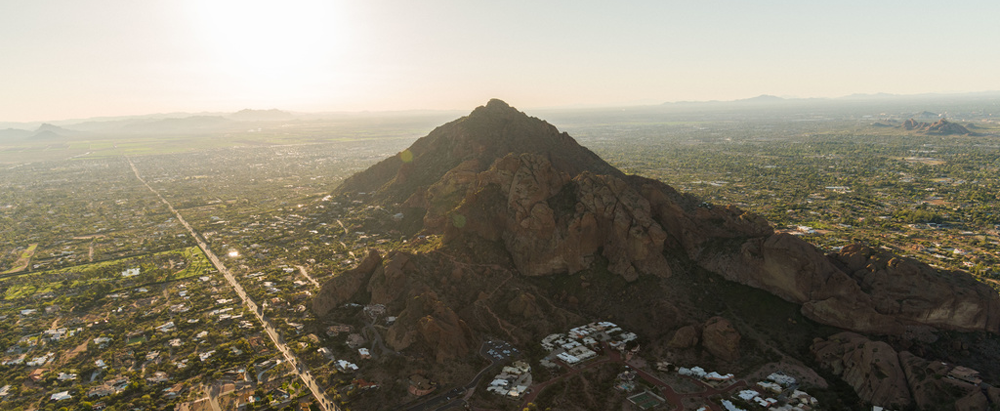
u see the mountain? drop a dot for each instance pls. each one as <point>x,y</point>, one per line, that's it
<point>520,232</point>
<point>46,127</point>
<point>940,127</point>
<point>46,135</point>
<point>52,132</point>
<point>13,134</point>
<point>261,115</point>
<point>763,98</point>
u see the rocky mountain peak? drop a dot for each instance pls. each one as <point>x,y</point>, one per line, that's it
<point>475,141</point>
<point>538,233</point>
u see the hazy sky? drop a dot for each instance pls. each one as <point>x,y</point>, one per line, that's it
<point>72,59</point>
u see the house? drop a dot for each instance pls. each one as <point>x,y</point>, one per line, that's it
<point>363,352</point>
<point>420,385</point>
<point>782,379</point>
<point>158,377</point>
<point>696,372</point>
<point>716,377</point>
<point>729,406</point>
<point>118,384</point>
<point>38,361</point>
<point>36,374</point>
<point>173,392</point>
<point>18,360</point>
<point>770,386</point>
<point>59,396</point>
<point>5,391</point>
<point>345,366</point>
<point>362,384</point>
<point>102,390</point>
<point>66,377</point>
<point>333,330</point>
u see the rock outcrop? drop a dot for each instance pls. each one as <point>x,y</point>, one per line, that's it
<point>932,389</point>
<point>720,339</point>
<point>552,223</point>
<point>915,293</point>
<point>885,377</point>
<point>684,337</point>
<point>871,367</point>
<point>428,320</point>
<point>388,283</point>
<point>340,289</point>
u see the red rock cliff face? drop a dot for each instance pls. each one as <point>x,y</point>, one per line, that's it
<point>339,290</point>
<point>885,377</point>
<point>551,223</point>
<point>910,292</point>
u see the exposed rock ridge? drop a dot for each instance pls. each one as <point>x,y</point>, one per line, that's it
<point>552,223</point>
<point>884,377</point>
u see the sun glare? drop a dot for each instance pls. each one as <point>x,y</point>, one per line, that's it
<point>275,48</point>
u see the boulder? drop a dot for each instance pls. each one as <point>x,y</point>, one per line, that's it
<point>684,337</point>
<point>871,367</point>
<point>388,283</point>
<point>341,288</point>
<point>429,321</point>
<point>720,339</point>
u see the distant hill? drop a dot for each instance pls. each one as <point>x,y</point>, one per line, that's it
<point>170,125</point>
<point>763,98</point>
<point>261,115</point>
<point>13,133</point>
<point>940,127</point>
<point>54,128</point>
<point>46,135</point>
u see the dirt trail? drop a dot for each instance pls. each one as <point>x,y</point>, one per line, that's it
<point>307,276</point>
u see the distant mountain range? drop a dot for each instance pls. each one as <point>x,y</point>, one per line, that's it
<point>178,121</point>
<point>767,98</point>
<point>44,132</point>
<point>146,124</point>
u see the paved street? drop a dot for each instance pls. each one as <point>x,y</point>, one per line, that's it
<point>300,369</point>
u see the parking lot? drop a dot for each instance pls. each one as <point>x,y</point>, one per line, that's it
<point>500,351</point>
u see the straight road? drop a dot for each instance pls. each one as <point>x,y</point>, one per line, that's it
<point>300,369</point>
